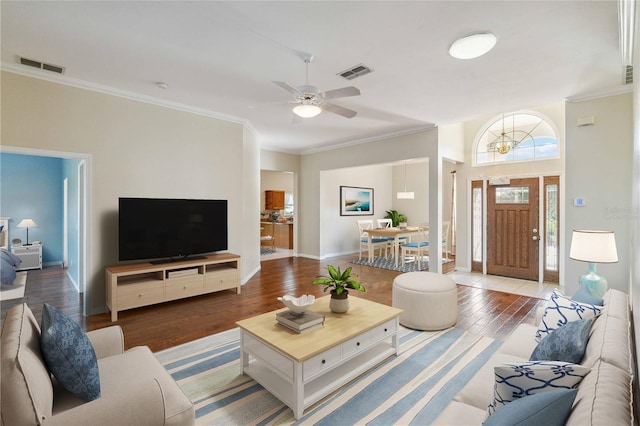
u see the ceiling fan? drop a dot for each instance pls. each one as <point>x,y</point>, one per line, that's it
<point>311,101</point>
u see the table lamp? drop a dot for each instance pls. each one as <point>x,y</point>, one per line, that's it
<point>27,223</point>
<point>593,247</point>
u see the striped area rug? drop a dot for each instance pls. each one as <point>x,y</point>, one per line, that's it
<point>412,388</point>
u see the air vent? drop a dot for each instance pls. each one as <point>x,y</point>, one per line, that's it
<point>355,72</point>
<point>627,74</point>
<point>41,65</point>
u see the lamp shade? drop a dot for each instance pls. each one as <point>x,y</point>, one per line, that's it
<point>405,195</point>
<point>593,246</point>
<point>27,223</point>
<point>307,110</point>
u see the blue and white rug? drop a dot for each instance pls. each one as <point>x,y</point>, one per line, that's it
<point>412,388</point>
<point>390,264</point>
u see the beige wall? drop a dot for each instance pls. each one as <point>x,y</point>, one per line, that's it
<point>135,149</point>
<point>600,171</point>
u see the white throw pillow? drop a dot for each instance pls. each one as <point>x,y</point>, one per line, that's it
<point>517,380</point>
<point>561,310</point>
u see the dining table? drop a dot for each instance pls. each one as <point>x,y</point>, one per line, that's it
<point>395,232</point>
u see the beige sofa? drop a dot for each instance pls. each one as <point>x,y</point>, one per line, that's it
<point>604,396</point>
<point>135,388</point>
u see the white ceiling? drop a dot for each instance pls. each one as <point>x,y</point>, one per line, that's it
<point>220,58</point>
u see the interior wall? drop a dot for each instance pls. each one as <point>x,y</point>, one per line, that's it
<point>279,181</point>
<point>416,145</point>
<point>137,150</point>
<point>600,173</point>
<point>339,234</point>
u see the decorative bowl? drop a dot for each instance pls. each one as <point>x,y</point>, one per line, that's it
<point>298,305</point>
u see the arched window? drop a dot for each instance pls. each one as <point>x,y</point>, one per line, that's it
<point>516,136</point>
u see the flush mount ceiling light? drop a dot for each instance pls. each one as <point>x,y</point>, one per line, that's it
<point>307,110</point>
<point>472,46</point>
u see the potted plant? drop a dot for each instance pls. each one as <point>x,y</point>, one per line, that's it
<point>339,282</point>
<point>396,218</point>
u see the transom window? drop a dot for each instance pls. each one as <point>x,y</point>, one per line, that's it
<point>516,136</point>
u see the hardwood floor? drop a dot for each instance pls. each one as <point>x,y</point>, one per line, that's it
<point>481,311</point>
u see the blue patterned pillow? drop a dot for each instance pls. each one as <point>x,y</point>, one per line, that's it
<point>517,380</point>
<point>566,343</point>
<point>547,408</point>
<point>69,354</point>
<point>562,310</point>
<point>583,295</point>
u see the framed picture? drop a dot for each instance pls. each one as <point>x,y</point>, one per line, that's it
<point>356,201</point>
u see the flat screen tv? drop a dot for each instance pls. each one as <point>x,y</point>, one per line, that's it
<point>166,230</point>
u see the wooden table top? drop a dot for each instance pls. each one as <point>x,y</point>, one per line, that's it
<point>363,315</point>
<point>391,232</point>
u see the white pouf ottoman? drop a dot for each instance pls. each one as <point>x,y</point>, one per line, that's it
<point>429,300</point>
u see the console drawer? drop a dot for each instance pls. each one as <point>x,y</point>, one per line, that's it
<point>140,294</point>
<point>321,362</point>
<point>383,330</point>
<point>270,356</point>
<point>221,279</point>
<point>356,344</point>
<point>185,286</point>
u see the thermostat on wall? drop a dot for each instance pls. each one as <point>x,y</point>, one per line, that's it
<point>578,202</point>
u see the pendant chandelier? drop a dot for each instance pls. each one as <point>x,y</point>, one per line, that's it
<point>503,143</point>
<point>404,195</point>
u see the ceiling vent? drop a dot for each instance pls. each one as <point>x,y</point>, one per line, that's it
<point>627,74</point>
<point>41,65</point>
<point>355,72</point>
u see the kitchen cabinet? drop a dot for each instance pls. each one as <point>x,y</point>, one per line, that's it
<point>273,200</point>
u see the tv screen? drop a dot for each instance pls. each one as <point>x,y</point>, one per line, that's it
<point>171,229</point>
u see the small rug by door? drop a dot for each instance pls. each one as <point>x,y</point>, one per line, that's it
<point>412,388</point>
<point>389,263</point>
<point>15,291</point>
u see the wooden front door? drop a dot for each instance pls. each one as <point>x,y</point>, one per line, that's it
<point>512,228</point>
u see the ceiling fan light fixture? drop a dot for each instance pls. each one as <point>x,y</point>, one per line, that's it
<point>472,46</point>
<point>306,110</point>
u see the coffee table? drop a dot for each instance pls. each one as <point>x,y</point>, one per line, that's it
<point>301,369</point>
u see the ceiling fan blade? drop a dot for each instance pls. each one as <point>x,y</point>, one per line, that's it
<point>342,93</point>
<point>345,112</point>
<point>288,88</point>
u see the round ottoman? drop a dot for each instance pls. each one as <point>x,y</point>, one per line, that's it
<point>429,300</point>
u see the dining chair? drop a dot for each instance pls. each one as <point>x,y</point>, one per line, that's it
<point>418,247</point>
<point>268,239</point>
<point>446,227</point>
<point>384,223</point>
<point>380,243</point>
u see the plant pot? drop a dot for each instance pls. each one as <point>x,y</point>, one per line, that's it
<point>339,303</point>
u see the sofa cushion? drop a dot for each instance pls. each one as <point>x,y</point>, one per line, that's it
<point>69,354</point>
<point>26,388</point>
<point>547,408</point>
<point>521,342</point>
<point>610,341</point>
<point>516,380</point>
<point>560,310</point>
<point>567,343</point>
<point>605,397</point>
<point>478,392</point>
<point>584,296</point>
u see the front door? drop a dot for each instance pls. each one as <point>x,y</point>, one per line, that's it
<point>512,229</point>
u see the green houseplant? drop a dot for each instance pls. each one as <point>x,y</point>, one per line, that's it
<point>339,281</point>
<point>396,218</point>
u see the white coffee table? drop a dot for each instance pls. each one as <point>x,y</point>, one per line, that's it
<point>301,369</point>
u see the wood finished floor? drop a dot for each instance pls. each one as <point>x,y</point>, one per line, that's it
<point>481,311</point>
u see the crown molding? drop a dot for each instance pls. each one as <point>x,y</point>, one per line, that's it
<point>412,131</point>
<point>94,87</point>
<point>600,94</point>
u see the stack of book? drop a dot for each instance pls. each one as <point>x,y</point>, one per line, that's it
<point>300,323</point>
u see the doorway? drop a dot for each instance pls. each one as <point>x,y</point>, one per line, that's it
<point>512,229</point>
<point>508,222</point>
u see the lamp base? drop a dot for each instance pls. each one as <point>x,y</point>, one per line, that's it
<point>593,282</point>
